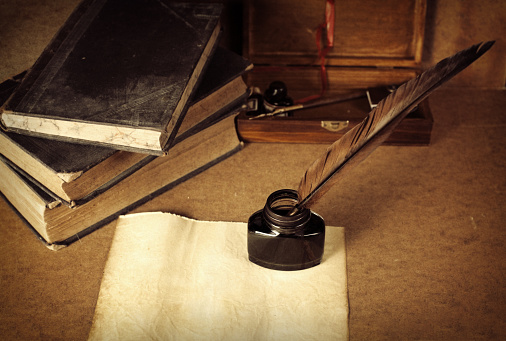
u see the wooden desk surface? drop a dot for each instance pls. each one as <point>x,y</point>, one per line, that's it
<point>424,226</point>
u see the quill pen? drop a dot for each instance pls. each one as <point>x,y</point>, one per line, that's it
<point>360,141</point>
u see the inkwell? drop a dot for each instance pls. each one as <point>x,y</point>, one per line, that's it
<point>274,101</point>
<point>282,238</point>
<point>285,234</point>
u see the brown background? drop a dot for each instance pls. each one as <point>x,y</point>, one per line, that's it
<point>424,225</point>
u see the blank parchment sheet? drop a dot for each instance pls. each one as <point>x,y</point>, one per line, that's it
<point>173,278</point>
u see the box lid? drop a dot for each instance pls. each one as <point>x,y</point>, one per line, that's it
<point>374,33</point>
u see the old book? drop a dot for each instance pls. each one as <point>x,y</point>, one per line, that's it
<point>117,74</point>
<point>161,282</point>
<point>59,225</point>
<point>75,172</point>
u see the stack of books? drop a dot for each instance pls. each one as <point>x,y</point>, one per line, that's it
<point>127,101</point>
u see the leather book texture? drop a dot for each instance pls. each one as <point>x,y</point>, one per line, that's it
<point>68,164</point>
<point>117,74</point>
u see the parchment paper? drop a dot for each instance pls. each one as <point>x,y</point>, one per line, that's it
<point>172,278</point>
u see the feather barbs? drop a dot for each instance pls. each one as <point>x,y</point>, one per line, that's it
<point>364,138</point>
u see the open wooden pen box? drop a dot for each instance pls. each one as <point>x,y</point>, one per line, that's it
<point>376,43</point>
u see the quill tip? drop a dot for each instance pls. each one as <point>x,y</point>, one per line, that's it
<point>484,46</point>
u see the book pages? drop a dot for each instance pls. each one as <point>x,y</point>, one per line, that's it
<point>173,278</point>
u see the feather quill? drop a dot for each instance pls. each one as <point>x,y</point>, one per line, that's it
<point>360,141</point>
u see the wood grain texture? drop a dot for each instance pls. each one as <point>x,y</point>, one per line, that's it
<point>367,33</point>
<point>414,130</point>
<point>303,80</point>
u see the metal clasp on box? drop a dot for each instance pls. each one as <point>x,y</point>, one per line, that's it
<point>334,126</point>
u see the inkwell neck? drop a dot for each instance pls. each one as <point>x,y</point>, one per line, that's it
<point>277,210</point>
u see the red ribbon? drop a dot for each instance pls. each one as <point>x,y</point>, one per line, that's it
<point>328,26</point>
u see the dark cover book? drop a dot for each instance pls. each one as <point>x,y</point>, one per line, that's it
<point>58,225</point>
<point>77,172</point>
<point>117,74</point>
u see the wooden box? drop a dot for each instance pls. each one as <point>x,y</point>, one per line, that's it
<point>376,43</point>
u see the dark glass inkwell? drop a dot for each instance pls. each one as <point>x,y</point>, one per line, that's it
<point>276,95</point>
<point>282,240</point>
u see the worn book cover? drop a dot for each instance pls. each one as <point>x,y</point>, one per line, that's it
<point>117,74</point>
<point>59,225</point>
<point>77,172</point>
